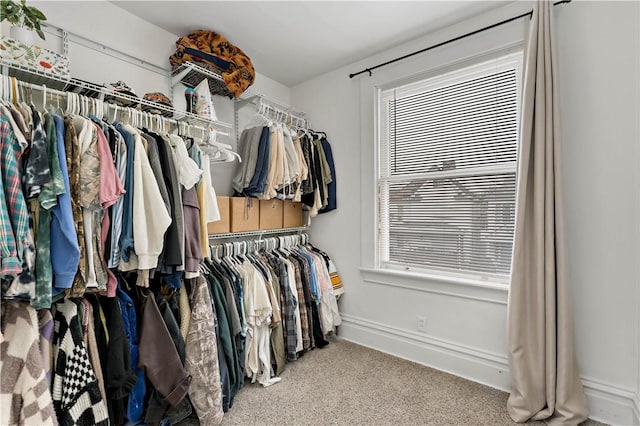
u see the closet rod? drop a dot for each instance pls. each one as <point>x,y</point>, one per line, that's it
<point>277,107</point>
<point>250,95</point>
<point>506,21</point>
<point>22,73</point>
<point>279,112</point>
<point>48,91</point>
<point>258,234</point>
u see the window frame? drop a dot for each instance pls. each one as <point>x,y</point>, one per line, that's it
<point>454,73</point>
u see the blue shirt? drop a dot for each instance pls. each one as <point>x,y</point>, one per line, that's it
<point>135,406</point>
<point>313,279</point>
<point>127,215</point>
<point>259,180</point>
<point>65,252</point>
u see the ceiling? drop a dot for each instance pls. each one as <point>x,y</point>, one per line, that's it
<point>292,42</point>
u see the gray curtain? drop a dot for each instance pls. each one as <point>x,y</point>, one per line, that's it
<point>544,373</point>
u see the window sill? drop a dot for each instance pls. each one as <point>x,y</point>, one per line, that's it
<point>438,284</point>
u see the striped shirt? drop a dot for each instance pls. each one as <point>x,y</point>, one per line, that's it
<point>118,208</point>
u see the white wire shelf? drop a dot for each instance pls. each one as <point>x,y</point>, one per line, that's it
<point>259,234</point>
<point>86,88</point>
<point>191,74</point>
<point>33,76</point>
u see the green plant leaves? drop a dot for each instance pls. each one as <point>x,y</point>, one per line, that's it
<point>19,14</point>
<point>35,13</point>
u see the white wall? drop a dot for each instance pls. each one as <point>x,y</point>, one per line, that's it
<point>598,55</point>
<point>599,66</point>
<point>598,45</point>
<point>106,24</point>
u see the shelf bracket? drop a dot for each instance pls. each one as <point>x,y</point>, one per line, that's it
<point>242,102</point>
<point>179,76</point>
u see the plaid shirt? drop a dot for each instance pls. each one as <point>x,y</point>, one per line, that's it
<point>304,302</point>
<point>288,302</point>
<point>13,207</point>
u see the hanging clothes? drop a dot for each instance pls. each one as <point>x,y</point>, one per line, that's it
<point>65,249</point>
<point>89,178</point>
<point>280,163</point>
<point>104,231</point>
<point>331,203</point>
<point>75,392</point>
<point>202,356</point>
<point>24,396</point>
<point>288,291</point>
<point>18,254</point>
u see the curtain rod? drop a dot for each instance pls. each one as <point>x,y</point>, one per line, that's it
<point>506,21</point>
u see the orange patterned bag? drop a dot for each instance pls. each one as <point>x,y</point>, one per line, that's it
<point>212,49</point>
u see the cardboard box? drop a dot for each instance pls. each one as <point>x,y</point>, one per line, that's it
<point>224,224</point>
<point>271,214</point>
<point>292,214</point>
<point>245,214</point>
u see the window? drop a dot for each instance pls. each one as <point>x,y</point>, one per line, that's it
<point>447,171</point>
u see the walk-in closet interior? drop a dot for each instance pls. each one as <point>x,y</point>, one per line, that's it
<point>372,212</point>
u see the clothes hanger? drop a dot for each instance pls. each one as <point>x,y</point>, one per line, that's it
<point>77,108</point>
<point>68,109</point>
<point>44,98</point>
<point>22,95</point>
<point>115,113</point>
<point>10,94</point>
<point>205,268</point>
<point>11,90</point>
<point>3,88</point>
<point>215,254</point>
<point>161,127</point>
<point>81,106</point>
<point>6,95</point>
<point>238,252</point>
<point>134,117</point>
<point>153,124</point>
<point>222,150</point>
<point>54,109</point>
<point>14,94</point>
<point>129,116</point>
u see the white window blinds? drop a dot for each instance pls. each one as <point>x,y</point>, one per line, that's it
<point>447,184</point>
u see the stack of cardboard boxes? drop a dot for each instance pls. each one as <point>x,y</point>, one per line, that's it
<point>241,214</point>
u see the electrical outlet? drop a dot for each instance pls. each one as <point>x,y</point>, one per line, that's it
<point>422,323</point>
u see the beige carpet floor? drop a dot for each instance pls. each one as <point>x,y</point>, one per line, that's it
<point>348,384</point>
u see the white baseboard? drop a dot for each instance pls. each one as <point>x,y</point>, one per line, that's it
<point>607,403</point>
<point>471,363</point>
